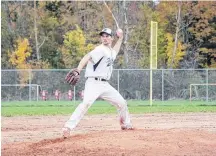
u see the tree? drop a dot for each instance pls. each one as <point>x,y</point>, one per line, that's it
<point>189,26</point>
<point>74,47</point>
<point>8,35</point>
<point>179,54</point>
<point>19,57</point>
<point>178,26</point>
<point>195,30</point>
<point>202,31</point>
<point>139,38</point>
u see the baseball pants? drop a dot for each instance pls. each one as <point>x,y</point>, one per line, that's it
<point>95,89</point>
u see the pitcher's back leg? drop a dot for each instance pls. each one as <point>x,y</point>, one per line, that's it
<point>115,98</point>
<point>90,95</point>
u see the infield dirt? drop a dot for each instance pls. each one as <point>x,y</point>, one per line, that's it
<point>100,135</point>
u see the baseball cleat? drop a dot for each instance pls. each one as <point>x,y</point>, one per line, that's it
<point>129,127</point>
<point>66,132</point>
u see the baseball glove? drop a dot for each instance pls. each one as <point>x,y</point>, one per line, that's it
<point>73,77</point>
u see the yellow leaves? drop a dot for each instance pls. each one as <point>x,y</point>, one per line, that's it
<point>180,52</point>
<point>170,43</point>
<point>74,47</point>
<point>74,39</point>
<point>90,47</point>
<point>67,58</point>
<point>173,58</point>
<point>19,56</point>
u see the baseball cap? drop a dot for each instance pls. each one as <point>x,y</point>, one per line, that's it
<point>107,31</point>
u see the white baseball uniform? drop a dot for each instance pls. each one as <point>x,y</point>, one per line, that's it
<point>98,71</point>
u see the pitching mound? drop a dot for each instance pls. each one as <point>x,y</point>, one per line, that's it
<point>160,134</point>
<point>136,142</point>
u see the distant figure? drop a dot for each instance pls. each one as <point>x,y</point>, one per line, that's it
<point>57,95</point>
<point>70,95</point>
<point>44,94</point>
<point>81,94</point>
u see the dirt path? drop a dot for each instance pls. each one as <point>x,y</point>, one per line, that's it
<point>156,134</point>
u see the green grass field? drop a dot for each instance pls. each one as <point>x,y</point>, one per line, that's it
<point>102,107</point>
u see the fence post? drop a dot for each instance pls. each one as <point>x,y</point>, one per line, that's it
<point>151,92</point>
<point>206,85</point>
<point>162,85</point>
<point>38,93</point>
<point>29,71</point>
<point>118,80</point>
<point>74,94</point>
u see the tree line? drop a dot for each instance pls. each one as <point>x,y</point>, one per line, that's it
<point>57,34</point>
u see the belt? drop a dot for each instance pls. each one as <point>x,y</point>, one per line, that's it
<point>100,79</point>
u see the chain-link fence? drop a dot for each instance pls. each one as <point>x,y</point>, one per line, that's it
<point>168,84</point>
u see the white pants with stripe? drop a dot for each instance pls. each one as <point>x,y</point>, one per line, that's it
<point>99,89</point>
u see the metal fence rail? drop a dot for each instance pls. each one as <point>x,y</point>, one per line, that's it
<point>168,84</point>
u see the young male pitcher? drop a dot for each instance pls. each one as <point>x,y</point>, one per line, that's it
<point>98,71</point>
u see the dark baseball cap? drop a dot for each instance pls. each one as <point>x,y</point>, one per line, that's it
<point>107,31</point>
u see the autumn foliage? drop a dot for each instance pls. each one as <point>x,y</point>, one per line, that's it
<point>57,34</point>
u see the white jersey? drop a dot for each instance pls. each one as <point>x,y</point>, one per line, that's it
<point>101,64</point>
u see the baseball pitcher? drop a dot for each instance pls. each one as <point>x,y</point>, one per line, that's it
<point>98,71</point>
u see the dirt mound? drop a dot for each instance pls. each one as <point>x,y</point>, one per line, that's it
<point>121,143</point>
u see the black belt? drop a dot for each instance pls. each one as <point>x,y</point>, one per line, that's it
<point>99,79</point>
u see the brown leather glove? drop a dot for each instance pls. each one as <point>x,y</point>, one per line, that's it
<point>73,77</point>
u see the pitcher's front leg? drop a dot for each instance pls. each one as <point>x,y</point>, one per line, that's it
<point>91,93</point>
